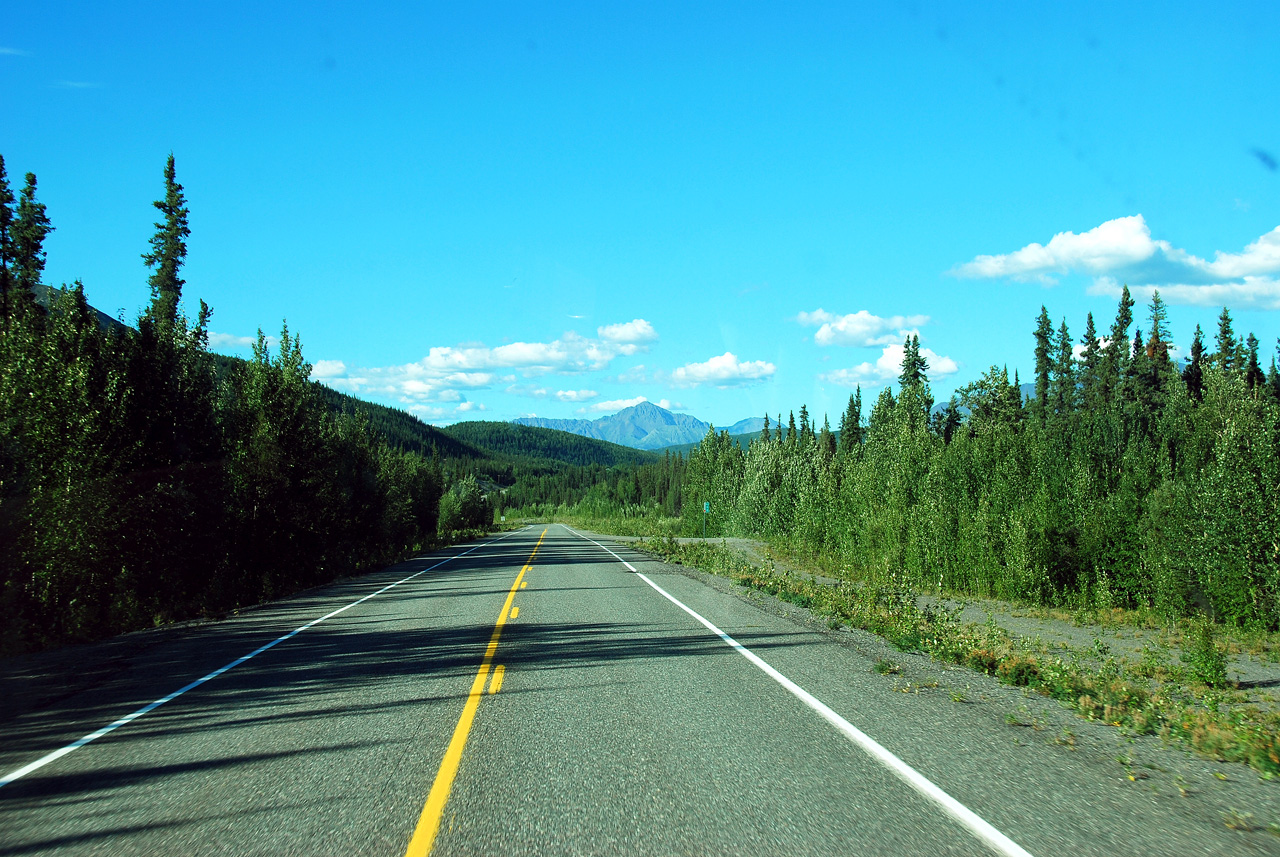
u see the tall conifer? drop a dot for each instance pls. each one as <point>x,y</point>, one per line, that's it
<point>1044,363</point>
<point>168,250</point>
<point>6,240</point>
<point>1193,377</point>
<point>1225,342</point>
<point>28,231</point>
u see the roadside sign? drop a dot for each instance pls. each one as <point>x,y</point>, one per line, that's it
<point>706,507</point>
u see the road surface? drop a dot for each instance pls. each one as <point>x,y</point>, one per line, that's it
<point>539,692</point>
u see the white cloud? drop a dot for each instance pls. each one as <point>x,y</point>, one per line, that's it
<point>1123,251</point>
<point>1257,292</point>
<point>229,342</point>
<point>328,369</point>
<point>615,405</point>
<point>669,405</point>
<point>1116,243</point>
<point>861,328</point>
<point>531,390</point>
<point>887,368</point>
<point>445,370</point>
<point>723,371</point>
<point>576,395</point>
<point>631,332</point>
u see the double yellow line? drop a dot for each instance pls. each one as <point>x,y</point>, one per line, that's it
<point>424,836</point>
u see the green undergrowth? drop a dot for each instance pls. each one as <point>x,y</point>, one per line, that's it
<point>1186,701</point>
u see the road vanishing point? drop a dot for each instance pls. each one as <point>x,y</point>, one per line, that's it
<point>541,691</point>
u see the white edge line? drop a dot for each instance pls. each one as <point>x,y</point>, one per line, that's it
<point>128,718</point>
<point>976,825</point>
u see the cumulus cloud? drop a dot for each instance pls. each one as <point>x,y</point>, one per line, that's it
<point>616,404</point>
<point>723,371</point>
<point>632,332</point>
<point>669,405</point>
<point>888,366</point>
<point>1123,251</point>
<point>328,369</point>
<point>576,395</point>
<point>231,342</point>
<point>447,370</point>
<point>861,328</point>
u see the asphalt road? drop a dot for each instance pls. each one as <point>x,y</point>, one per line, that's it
<point>621,724</point>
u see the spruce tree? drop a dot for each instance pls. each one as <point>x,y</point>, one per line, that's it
<point>1063,388</point>
<point>806,430</point>
<point>1225,341</point>
<point>914,366</point>
<point>168,250</point>
<point>1193,377</point>
<point>827,440</point>
<point>1253,375</point>
<point>1158,339</point>
<point>28,231</point>
<point>791,427</point>
<point>777,428</point>
<point>6,240</point>
<point>1116,353</point>
<point>851,422</point>
<point>764,432</point>
<point>1044,363</point>
<point>1090,372</point>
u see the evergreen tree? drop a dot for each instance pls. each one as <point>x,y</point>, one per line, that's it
<point>851,423</point>
<point>1194,374</point>
<point>1044,363</point>
<point>1090,374</point>
<point>1063,388</point>
<point>827,440</point>
<point>1253,375</point>
<point>806,428</point>
<point>791,428</point>
<point>168,250</point>
<point>914,366</point>
<point>1225,341</point>
<point>1115,362</point>
<point>1158,340</point>
<point>29,229</point>
<point>764,432</point>
<point>6,241</point>
<point>777,428</point>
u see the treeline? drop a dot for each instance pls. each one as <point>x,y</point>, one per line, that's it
<point>140,482</point>
<point>599,491</point>
<point>1126,480</point>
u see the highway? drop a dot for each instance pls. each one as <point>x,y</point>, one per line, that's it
<point>537,692</point>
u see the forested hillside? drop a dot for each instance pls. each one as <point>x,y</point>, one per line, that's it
<point>522,441</point>
<point>1126,480</point>
<point>141,482</point>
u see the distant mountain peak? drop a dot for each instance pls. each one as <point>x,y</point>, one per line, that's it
<point>641,426</point>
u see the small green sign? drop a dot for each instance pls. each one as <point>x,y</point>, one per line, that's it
<point>706,506</point>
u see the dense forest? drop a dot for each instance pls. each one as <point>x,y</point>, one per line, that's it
<point>143,481</point>
<point>1125,480</point>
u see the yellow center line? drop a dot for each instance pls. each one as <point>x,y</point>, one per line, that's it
<point>424,835</point>
<point>495,684</point>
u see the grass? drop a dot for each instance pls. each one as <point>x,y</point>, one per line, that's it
<point>1183,703</point>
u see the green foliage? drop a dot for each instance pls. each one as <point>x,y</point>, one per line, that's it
<point>1203,657</point>
<point>142,482</point>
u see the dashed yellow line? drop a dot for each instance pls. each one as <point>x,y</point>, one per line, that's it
<point>515,611</point>
<point>424,835</point>
<point>495,683</point>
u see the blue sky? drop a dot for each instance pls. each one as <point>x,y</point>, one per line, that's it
<point>484,211</point>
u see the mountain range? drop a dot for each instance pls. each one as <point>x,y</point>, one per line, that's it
<point>643,426</point>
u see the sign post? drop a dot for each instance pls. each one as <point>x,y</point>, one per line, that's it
<point>706,507</point>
